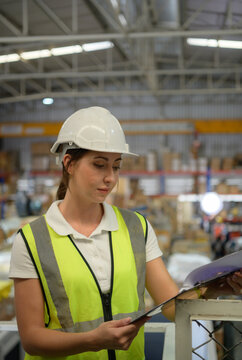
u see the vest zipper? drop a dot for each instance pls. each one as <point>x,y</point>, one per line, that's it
<point>106,301</point>
<point>106,298</point>
<point>107,312</point>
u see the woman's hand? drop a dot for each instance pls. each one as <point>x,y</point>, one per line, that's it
<point>230,285</point>
<point>117,334</point>
<point>235,282</point>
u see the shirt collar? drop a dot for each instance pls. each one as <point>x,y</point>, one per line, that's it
<point>58,223</point>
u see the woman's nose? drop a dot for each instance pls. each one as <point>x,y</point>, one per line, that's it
<point>109,176</point>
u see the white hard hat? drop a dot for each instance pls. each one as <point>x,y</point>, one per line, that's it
<point>93,128</point>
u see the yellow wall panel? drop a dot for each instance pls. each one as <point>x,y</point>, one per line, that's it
<point>27,129</point>
<point>186,127</point>
<point>219,126</point>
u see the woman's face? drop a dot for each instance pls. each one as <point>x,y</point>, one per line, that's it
<point>94,176</point>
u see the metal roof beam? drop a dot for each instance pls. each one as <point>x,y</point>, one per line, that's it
<point>193,17</point>
<point>152,12</point>
<point>222,80</point>
<point>116,73</point>
<point>110,20</point>
<point>228,18</point>
<point>74,16</point>
<point>9,88</point>
<point>13,28</point>
<point>62,63</point>
<point>52,15</point>
<point>63,84</point>
<point>36,86</point>
<point>90,84</point>
<point>116,36</point>
<point>25,17</point>
<point>119,93</point>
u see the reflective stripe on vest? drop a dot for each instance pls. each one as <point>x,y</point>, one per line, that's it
<point>137,241</point>
<point>42,240</point>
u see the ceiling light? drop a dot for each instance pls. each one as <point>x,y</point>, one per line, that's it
<point>101,45</point>
<point>202,42</point>
<point>211,203</point>
<point>37,54</point>
<point>9,58</point>
<point>65,50</point>
<point>225,44</point>
<point>230,44</point>
<point>48,101</point>
<point>122,20</point>
<point>114,4</point>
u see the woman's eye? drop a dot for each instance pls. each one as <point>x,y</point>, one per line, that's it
<point>100,166</point>
<point>116,168</point>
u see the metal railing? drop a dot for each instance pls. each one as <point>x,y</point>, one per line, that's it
<point>169,337</point>
<point>188,311</point>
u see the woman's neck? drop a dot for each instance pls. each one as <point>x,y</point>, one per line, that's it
<point>82,218</point>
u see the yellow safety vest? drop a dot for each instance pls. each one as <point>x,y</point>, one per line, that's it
<point>74,301</point>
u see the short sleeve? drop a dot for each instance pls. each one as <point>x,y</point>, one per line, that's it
<point>21,265</point>
<point>153,250</point>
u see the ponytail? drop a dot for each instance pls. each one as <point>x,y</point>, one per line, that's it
<point>76,154</point>
<point>61,191</point>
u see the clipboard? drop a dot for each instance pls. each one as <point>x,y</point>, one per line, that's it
<point>201,277</point>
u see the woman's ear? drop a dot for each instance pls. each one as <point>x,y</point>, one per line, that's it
<point>67,163</point>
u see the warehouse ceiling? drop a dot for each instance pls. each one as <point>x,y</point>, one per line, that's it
<point>147,56</point>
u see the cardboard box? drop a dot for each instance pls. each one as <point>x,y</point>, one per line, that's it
<point>3,160</point>
<point>128,164</point>
<point>164,240</point>
<point>9,161</point>
<point>140,164</point>
<point>238,161</point>
<point>52,164</point>
<point>202,188</point>
<point>215,163</point>
<point>187,246</point>
<point>222,188</point>
<point>202,163</point>
<point>41,148</point>
<point>193,164</point>
<point>166,160</point>
<point>233,189</point>
<point>151,161</point>
<point>228,163</point>
<point>176,164</point>
<point>40,162</point>
<point>171,161</point>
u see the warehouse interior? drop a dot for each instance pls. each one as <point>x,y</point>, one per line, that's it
<point>171,73</point>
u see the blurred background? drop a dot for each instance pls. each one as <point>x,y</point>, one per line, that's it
<point>171,72</point>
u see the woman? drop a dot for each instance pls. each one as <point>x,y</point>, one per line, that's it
<point>80,271</point>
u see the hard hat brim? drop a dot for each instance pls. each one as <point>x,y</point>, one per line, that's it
<point>54,150</point>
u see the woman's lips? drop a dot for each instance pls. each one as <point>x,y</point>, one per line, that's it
<point>103,190</point>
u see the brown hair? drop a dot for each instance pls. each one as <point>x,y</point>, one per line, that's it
<point>76,154</point>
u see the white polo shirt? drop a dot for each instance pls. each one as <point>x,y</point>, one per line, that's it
<point>94,248</point>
